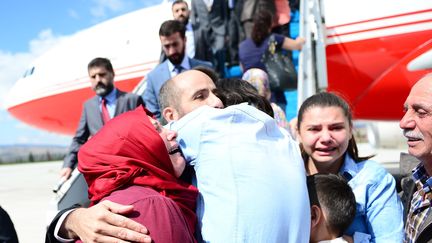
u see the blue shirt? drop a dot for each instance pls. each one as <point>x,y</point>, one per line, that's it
<point>249,173</point>
<point>184,64</point>
<point>379,209</point>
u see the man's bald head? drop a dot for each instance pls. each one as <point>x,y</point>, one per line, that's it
<point>186,92</point>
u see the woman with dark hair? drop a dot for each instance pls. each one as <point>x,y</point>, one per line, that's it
<point>252,49</point>
<point>327,144</point>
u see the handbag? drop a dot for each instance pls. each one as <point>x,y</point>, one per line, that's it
<point>280,69</point>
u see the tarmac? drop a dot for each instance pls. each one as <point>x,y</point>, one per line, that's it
<point>25,193</point>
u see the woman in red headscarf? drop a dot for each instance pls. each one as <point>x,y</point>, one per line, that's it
<point>134,160</point>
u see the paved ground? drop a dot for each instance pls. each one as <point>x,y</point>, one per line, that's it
<point>25,193</point>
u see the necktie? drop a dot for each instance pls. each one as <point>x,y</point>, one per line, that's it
<point>105,113</point>
<point>178,69</point>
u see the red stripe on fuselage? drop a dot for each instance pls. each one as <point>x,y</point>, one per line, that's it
<point>381,18</point>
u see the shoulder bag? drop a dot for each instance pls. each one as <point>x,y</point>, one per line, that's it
<point>280,69</point>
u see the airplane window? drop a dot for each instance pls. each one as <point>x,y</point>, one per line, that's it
<point>29,72</point>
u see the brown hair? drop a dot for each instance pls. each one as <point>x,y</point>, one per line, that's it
<point>326,99</point>
<point>261,28</point>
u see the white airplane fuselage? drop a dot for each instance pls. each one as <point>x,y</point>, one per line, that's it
<point>373,48</point>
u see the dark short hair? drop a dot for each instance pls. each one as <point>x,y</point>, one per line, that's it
<point>171,27</point>
<point>327,99</point>
<point>101,62</point>
<point>179,1</point>
<point>233,91</point>
<point>168,95</point>
<point>209,72</point>
<point>332,192</point>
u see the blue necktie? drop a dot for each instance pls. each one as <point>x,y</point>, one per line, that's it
<point>178,69</point>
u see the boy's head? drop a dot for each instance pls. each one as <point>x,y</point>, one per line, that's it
<point>333,206</point>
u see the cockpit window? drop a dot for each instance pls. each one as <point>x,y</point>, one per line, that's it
<point>29,72</point>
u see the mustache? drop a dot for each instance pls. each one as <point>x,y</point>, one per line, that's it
<point>412,134</point>
<point>102,89</point>
<point>100,85</point>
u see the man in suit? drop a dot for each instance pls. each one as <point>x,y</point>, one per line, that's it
<point>210,18</point>
<point>173,41</point>
<point>249,9</point>
<point>108,102</point>
<point>181,12</point>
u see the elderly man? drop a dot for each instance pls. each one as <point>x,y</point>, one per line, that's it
<point>417,128</point>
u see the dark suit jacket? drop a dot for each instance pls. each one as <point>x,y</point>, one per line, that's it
<point>49,236</point>
<point>210,27</point>
<point>251,7</point>
<point>156,78</point>
<point>91,121</point>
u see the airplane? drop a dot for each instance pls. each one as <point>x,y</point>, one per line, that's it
<point>371,51</point>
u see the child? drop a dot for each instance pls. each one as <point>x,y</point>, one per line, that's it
<point>333,208</point>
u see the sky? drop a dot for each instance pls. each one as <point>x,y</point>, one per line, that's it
<point>28,29</point>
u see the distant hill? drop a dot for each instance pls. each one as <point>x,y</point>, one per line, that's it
<point>31,153</point>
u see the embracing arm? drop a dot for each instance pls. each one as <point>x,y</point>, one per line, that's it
<point>100,223</point>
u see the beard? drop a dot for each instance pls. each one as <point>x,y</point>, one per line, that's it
<point>183,19</point>
<point>102,89</point>
<point>177,58</point>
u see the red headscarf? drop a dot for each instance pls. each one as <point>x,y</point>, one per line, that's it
<point>129,151</point>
